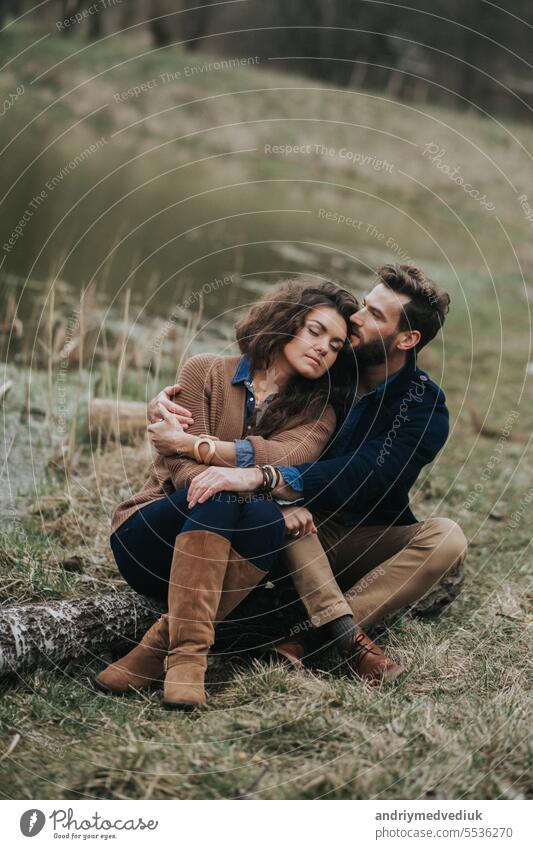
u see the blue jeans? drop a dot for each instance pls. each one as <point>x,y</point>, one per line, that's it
<point>144,544</point>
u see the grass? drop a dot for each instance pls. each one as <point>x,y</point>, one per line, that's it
<point>457,724</point>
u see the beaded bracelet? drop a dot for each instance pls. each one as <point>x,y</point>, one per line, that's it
<point>271,478</point>
<point>276,475</point>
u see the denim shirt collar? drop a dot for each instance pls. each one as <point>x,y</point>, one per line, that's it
<point>243,373</point>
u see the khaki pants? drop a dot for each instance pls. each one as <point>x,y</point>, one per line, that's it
<point>370,571</point>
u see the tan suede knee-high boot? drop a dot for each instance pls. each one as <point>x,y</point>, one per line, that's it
<point>196,578</point>
<point>240,579</point>
<point>144,665</point>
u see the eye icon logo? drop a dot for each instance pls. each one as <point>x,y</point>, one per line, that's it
<point>31,822</point>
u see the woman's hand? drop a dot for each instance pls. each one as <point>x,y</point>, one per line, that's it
<point>218,479</point>
<point>167,436</point>
<point>298,521</point>
<point>165,398</point>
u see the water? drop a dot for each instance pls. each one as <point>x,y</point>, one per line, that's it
<point>167,229</point>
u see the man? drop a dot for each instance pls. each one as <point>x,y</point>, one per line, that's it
<point>382,558</point>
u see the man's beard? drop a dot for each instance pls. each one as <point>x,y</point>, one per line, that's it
<point>374,353</point>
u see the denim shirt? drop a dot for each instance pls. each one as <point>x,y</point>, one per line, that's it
<point>244,449</point>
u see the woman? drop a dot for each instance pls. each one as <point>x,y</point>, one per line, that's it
<point>277,404</point>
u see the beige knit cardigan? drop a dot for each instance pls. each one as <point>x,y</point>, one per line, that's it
<point>217,407</point>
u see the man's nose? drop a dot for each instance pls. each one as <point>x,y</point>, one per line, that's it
<point>356,318</point>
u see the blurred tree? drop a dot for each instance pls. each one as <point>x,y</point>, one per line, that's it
<point>69,8</point>
<point>128,13</point>
<point>159,23</point>
<point>9,8</point>
<point>95,26</point>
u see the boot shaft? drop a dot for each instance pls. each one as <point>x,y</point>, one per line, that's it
<point>199,564</point>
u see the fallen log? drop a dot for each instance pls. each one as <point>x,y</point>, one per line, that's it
<point>33,635</point>
<point>4,389</point>
<point>121,421</point>
<point>53,633</point>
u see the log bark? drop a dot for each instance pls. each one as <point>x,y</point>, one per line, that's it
<point>35,635</point>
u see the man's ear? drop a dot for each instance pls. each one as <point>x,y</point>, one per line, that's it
<point>408,339</point>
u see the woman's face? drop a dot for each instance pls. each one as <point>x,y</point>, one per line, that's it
<point>317,344</point>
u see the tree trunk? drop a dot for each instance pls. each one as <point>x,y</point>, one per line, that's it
<point>34,635</point>
<point>95,26</point>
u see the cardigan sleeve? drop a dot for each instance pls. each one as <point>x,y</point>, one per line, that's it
<point>196,380</point>
<point>291,446</point>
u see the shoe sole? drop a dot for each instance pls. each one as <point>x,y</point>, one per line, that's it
<point>155,685</point>
<point>186,707</point>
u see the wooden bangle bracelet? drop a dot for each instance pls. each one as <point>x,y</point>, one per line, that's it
<point>204,440</point>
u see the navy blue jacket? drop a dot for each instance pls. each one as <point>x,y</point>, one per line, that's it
<point>376,455</point>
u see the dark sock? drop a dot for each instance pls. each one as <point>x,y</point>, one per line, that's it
<point>339,632</point>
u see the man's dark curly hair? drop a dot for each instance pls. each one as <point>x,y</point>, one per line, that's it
<point>271,323</point>
<point>428,305</point>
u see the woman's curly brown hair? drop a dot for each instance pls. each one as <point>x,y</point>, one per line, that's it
<point>271,323</point>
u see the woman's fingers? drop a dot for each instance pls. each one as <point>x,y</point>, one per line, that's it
<point>168,417</point>
<point>172,390</point>
<point>180,412</point>
<point>183,414</point>
<point>202,494</point>
<point>197,489</point>
<point>204,486</point>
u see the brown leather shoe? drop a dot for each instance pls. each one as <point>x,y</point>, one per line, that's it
<point>141,667</point>
<point>365,660</point>
<point>292,650</point>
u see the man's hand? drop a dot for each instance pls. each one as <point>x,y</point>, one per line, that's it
<point>218,479</point>
<point>167,435</point>
<point>298,521</point>
<point>165,398</point>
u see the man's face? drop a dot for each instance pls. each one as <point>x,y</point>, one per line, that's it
<point>375,326</point>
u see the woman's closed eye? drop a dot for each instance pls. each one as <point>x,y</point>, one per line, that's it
<point>335,346</point>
